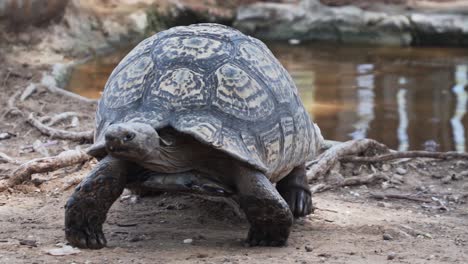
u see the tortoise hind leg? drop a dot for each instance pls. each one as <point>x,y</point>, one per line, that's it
<point>268,214</point>
<point>295,190</point>
<point>86,209</point>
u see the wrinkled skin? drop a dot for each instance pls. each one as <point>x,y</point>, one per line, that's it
<point>269,210</point>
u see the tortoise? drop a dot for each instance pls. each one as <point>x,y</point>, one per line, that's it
<point>205,109</point>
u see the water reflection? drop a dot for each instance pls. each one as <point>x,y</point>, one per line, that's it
<point>404,97</point>
<point>461,73</point>
<point>402,132</point>
<point>365,105</point>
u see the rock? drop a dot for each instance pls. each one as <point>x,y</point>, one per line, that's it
<point>308,248</point>
<point>391,255</point>
<point>387,236</point>
<point>28,242</point>
<point>447,179</point>
<point>310,20</point>
<point>401,171</point>
<point>188,241</point>
<point>386,167</point>
<point>63,251</point>
<point>32,12</point>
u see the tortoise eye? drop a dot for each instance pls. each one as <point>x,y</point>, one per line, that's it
<point>129,136</point>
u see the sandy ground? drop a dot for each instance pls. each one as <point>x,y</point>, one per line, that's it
<point>348,226</point>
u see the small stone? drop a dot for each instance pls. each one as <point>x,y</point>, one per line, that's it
<point>202,255</point>
<point>27,242</point>
<point>188,241</point>
<point>324,255</point>
<point>387,236</point>
<point>401,171</point>
<point>447,179</point>
<point>308,248</point>
<point>381,204</point>
<point>386,167</point>
<point>391,255</point>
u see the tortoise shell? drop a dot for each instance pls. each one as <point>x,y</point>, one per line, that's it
<point>218,85</point>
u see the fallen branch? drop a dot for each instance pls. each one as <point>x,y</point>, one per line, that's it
<point>12,109</point>
<point>75,96</point>
<point>406,154</point>
<point>327,160</point>
<point>59,133</point>
<point>28,91</point>
<point>4,158</point>
<point>350,181</point>
<point>410,197</point>
<point>40,165</point>
<point>62,116</point>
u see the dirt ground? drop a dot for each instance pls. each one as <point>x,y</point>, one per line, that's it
<point>348,226</point>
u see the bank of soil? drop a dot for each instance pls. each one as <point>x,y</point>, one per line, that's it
<point>348,226</point>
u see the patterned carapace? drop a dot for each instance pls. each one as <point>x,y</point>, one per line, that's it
<point>218,85</point>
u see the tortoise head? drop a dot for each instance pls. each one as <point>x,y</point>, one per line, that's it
<point>132,141</point>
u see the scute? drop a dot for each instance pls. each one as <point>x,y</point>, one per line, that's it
<point>203,127</point>
<point>201,52</point>
<point>261,61</point>
<point>272,147</point>
<point>240,95</point>
<point>181,87</point>
<point>127,85</point>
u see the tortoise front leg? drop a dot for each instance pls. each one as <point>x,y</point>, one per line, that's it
<point>86,209</point>
<point>268,213</point>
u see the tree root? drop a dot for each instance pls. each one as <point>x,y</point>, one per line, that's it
<point>50,121</point>
<point>12,109</point>
<point>350,181</point>
<point>325,161</point>
<point>28,91</point>
<point>85,136</point>
<point>4,158</point>
<point>410,197</point>
<point>406,154</point>
<point>66,93</point>
<point>23,173</point>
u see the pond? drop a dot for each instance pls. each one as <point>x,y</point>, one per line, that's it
<point>407,98</point>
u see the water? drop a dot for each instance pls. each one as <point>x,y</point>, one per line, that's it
<point>407,98</point>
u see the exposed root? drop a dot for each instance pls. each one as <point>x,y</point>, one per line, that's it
<point>350,181</point>
<point>61,117</point>
<point>12,109</point>
<point>40,165</point>
<point>28,91</point>
<point>410,197</point>
<point>4,158</point>
<point>86,136</point>
<point>406,154</point>
<point>66,93</point>
<point>325,161</point>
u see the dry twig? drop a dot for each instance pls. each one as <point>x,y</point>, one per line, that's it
<point>327,160</point>
<point>28,91</point>
<point>406,154</point>
<point>350,181</point>
<point>75,96</point>
<point>410,197</point>
<point>59,133</point>
<point>12,109</point>
<point>60,117</point>
<point>4,158</point>
<point>64,159</point>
